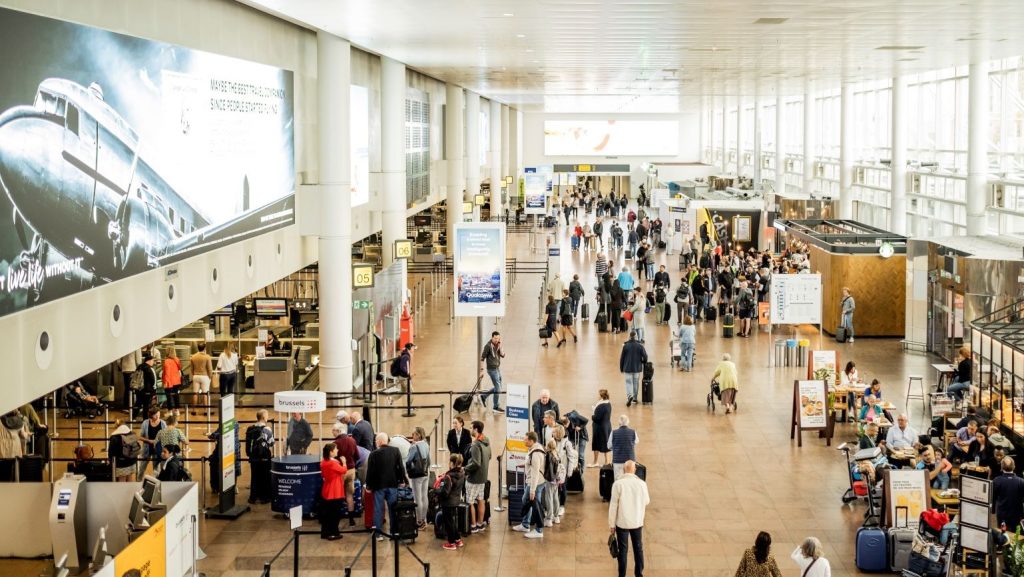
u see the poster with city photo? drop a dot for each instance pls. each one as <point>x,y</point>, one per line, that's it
<point>119,155</point>
<point>479,263</point>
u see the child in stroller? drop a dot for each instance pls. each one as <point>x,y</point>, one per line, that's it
<point>79,402</point>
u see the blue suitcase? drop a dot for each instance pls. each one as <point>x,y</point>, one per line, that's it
<point>872,549</point>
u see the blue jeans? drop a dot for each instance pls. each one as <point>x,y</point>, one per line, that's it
<point>848,323</point>
<point>381,496</point>
<point>650,270</point>
<point>532,511</point>
<point>686,349</point>
<point>956,390</point>
<point>495,375</point>
<point>639,330</point>
<point>632,385</point>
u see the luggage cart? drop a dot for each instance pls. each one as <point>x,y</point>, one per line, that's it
<point>676,352</point>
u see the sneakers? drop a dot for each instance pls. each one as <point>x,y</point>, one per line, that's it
<point>459,543</point>
<point>534,535</point>
<point>521,528</point>
<point>561,511</point>
<point>558,520</point>
<point>548,523</point>
<point>476,528</point>
<point>498,411</point>
<point>851,339</point>
<point>449,547</point>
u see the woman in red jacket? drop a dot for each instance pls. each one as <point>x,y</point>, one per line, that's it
<point>332,493</point>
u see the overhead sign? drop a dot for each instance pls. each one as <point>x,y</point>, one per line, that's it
<point>591,168</point>
<point>362,276</point>
<point>467,208</point>
<point>795,299</point>
<point>479,266</point>
<point>109,173</point>
<point>479,200</point>
<point>360,304</point>
<point>300,401</point>
<point>403,249</point>
<point>508,180</point>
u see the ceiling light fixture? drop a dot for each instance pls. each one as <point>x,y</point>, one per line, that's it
<point>508,15</point>
<point>520,35</point>
<point>770,20</point>
<point>897,47</point>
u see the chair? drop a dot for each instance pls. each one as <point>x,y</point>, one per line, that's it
<point>910,388</point>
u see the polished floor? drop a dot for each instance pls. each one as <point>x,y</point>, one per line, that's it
<point>715,480</point>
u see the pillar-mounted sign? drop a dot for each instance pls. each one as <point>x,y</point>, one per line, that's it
<point>403,249</point>
<point>467,208</point>
<point>508,180</point>
<point>362,276</point>
<point>479,200</point>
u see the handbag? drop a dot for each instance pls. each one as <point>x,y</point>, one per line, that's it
<point>628,315</point>
<point>613,546</point>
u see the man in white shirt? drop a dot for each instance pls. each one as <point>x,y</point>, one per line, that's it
<point>902,436</point>
<point>626,517</point>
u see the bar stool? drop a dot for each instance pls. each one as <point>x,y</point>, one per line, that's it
<point>910,388</point>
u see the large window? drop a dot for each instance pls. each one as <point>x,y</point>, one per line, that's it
<point>417,146</point>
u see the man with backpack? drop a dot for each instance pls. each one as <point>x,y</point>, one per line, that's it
<point>682,300</point>
<point>476,477</point>
<point>124,450</point>
<point>533,513</point>
<point>401,367</point>
<point>143,382</point>
<point>746,306</point>
<point>259,447</point>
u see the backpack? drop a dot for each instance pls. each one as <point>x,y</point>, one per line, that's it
<point>550,467</point>
<point>256,444</point>
<point>13,421</point>
<point>416,464</point>
<point>746,300</point>
<point>682,294</point>
<point>659,296</point>
<point>131,446</point>
<point>137,381</point>
<point>396,366</point>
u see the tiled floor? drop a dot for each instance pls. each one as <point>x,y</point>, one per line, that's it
<point>715,479</point>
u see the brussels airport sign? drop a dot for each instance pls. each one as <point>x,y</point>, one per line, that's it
<point>119,155</point>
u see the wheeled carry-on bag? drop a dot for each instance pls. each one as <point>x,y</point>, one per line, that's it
<point>647,391</point>
<point>841,334</point>
<point>602,322</point>
<point>728,323</point>
<point>711,314</point>
<point>605,479</point>
<point>574,484</point>
<point>872,553</point>
<point>405,520</point>
<point>585,311</point>
<point>901,541</point>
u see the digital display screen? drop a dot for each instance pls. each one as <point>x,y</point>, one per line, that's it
<point>421,220</point>
<point>119,155</point>
<point>271,307</point>
<point>64,499</point>
<point>224,311</point>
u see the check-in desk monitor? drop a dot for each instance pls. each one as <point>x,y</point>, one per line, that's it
<point>67,520</point>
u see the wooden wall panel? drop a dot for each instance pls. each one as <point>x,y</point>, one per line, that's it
<point>878,286</point>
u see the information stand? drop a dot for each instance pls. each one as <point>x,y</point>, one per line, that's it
<point>794,299</point>
<point>226,508</point>
<point>975,522</point>
<point>810,410</point>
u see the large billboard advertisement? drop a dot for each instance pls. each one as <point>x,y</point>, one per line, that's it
<point>479,265</point>
<point>119,155</point>
<point>611,137</point>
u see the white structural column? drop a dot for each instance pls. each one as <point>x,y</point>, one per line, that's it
<point>516,138</point>
<point>898,187</point>
<point>506,144</point>
<point>703,124</point>
<point>472,145</point>
<point>453,152</point>
<point>392,162</point>
<point>757,135</point>
<point>846,151</point>
<point>496,174</point>
<point>334,66</point>
<point>977,146</point>
<point>725,119</point>
<point>780,139</point>
<point>808,136</point>
<point>739,127</point>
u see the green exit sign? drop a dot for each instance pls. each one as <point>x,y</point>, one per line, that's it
<point>360,304</point>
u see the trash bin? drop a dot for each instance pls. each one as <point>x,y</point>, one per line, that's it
<point>801,355</point>
<point>790,352</point>
<point>780,352</point>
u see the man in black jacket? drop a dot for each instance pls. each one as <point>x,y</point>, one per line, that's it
<point>661,278</point>
<point>385,472</point>
<point>544,403</point>
<point>631,364</point>
<point>1008,495</point>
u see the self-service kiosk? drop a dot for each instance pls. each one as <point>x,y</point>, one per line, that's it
<point>67,520</point>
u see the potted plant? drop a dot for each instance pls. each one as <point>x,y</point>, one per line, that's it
<point>1013,556</point>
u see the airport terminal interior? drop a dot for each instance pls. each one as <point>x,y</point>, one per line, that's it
<point>763,261</point>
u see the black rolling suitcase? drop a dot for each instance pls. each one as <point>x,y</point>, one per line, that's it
<point>711,314</point>
<point>647,391</point>
<point>667,315</point>
<point>605,480</point>
<point>515,504</point>
<point>405,520</point>
<point>728,323</point>
<point>602,322</point>
<point>585,311</point>
<point>461,518</point>
<point>439,526</point>
<point>574,484</point>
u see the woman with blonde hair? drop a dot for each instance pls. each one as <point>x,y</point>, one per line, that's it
<point>809,557</point>
<point>227,369</point>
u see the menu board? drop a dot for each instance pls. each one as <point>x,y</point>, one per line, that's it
<point>812,404</point>
<point>795,299</point>
<point>907,488</point>
<point>824,366</point>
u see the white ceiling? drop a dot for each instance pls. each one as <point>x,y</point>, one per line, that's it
<point>615,53</point>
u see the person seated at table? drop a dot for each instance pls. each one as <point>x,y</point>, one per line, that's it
<point>902,436</point>
<point>979,414</point>
<point>937,466</point>
<point>875,388</point>
<point>964,435</point>
<point>961,376</point>
<point>869,437</point>
<point>850,378</point>
<point>870,410</point>
<point>981,451</point>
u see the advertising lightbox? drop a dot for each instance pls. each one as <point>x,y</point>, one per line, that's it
<point>119,155</point>
<point>479,264</point>
<point>611,137</point>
